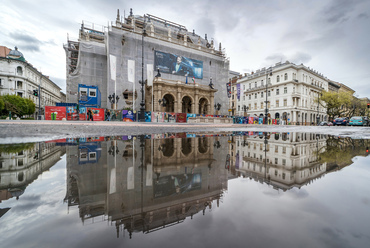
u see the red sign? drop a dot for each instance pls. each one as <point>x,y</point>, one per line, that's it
<point>181,117</point>
<point>98,114</point>
<point>55,113</point>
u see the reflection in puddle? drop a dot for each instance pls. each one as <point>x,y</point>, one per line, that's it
<point>150,182</point>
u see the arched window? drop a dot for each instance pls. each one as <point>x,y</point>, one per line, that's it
<point>19,71</point>
<point>286,76</point>
<point>278,78</point>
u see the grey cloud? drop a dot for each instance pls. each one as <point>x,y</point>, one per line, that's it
<point>333,238</point>
<point>29,43</point>
<point>363,16</point>
<point>300,57</point>
<point>338,11</point>
<point>277,57</point>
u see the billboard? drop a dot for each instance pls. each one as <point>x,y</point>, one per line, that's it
<point>178,65</point>
<point>55,113</point>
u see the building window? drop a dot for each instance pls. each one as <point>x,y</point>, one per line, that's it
<point>232,97</point>
<point>261,82</point>
<point>285,90</point>
<point>255,84</point>
<point>276,149</point>
<point>255,105</point>
<point>284,161</point>
<point>255,96</point>
<point>283,175</point>
<point>261,94</point>
<point>276,160</point>
<point>286,76</point>
<point>261,105</point>
<point>19,71</point>
<point>249,106</point>
<point>277,103</point>
<point>268,93</point>
<point>278,79</point>
<point>250,96</point>
<point>277,91</point>
<point>250,85</point>
<point>285,102</point>
<point>243,98</point>
<point>284,149</point>
<point>243,86</point>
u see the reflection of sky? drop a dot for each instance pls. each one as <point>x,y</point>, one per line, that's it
<point>330,212</point>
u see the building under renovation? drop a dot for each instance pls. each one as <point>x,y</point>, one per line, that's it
<point>182,72</point>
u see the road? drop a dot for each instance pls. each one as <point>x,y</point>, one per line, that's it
<point>16,131</point>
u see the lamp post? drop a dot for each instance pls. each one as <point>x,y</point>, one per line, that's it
<point>142,103</point>
<point>245,108</point>
<point>217,107</point>
<point>113,99</point>
<point>268,73</point>
<point>318,104</point>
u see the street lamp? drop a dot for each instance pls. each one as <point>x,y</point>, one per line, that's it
<point>211,84</point>
<point>113,99</point>
<point>217,107</point>
<point>142,82</point>
<point>268,73</point>
<point>162,102</point>
<point>245,108</point>
<point>318,103</point>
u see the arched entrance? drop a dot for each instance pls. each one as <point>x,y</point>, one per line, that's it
<point>203,106</point>
<point>277,115</point>
<point>169,105</point>
<point>186,104</point>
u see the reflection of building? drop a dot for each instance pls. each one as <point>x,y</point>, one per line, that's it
<point>18,77</point>
<point>193,71</point>
<point>285,161</point>
<point>147,184</point>
<point>22,164</point>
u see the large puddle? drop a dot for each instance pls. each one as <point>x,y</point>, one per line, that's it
<point>235,189</point>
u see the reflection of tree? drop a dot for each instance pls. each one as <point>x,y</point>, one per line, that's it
<point>15,148</point>
<point>340,151</point>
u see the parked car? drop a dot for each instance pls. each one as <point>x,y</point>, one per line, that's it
<point>342,121</point>
<point>325,123</point>
<point>358,121</point>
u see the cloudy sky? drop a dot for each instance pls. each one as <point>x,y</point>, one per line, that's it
<point>330,36</point>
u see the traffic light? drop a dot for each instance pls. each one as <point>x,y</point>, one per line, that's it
<point>35,93</point>
<point>367,149</point>
<point>368,105</point>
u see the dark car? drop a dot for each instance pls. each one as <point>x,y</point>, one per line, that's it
<point>343,121</point>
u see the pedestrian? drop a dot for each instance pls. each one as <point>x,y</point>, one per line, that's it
<point>91,115</point>
<point>108,115</point>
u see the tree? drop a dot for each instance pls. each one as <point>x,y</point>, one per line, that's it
<point>2,104</point>
<point>18,105</point>
<point>334,103</point>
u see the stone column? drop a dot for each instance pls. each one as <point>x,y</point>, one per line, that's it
<point>195,107</point>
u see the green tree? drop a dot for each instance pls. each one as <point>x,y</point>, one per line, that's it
<point>2,105</point>
<point>334,103</point>
<point>17,105</point>
<point>31,107</point>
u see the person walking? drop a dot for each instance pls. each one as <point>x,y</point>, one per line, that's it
<point>108,115</point>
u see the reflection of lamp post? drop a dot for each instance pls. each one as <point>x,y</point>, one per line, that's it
<point>268,73</point>
<point>142,103</point>
<point>113,99</point>
<point>113,149</point>
<point>266,142</point>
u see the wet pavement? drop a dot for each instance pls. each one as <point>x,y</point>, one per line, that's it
<point>63,184</point>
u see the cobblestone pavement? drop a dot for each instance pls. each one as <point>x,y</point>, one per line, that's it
<point>27,130</point>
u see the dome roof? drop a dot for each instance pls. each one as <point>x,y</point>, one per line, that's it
<point>15,53</point>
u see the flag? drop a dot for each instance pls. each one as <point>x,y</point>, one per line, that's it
<point>193,80</point>
<point>186,79</point>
